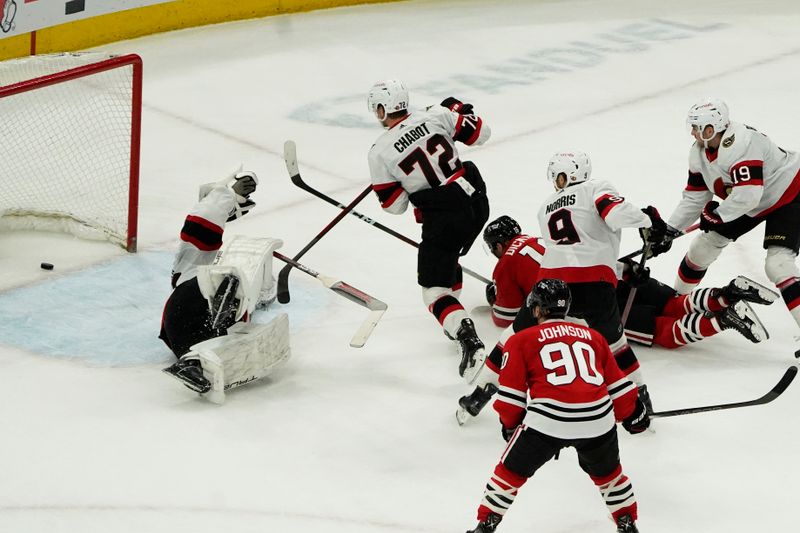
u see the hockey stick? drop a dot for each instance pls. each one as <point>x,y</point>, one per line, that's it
<point>283,275</point>
<point>639,252</point>
<point>776,391</point>
<point>290,155</point>
<point>632,293</point>
<point>376,307</point>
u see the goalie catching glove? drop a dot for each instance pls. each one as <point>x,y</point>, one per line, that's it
<point>242,185</point>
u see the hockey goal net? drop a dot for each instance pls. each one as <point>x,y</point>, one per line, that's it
<point>69,144</point>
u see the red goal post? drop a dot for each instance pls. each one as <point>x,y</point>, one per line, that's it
<point>70,132</point>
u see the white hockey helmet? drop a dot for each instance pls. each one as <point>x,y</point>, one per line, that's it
<point>391,94</point>
<point>708,112</point>
<point>575,165</point>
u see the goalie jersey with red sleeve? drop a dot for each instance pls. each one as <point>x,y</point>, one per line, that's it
<point>514,275</point>
<point>420,153</point>
<point>560,379</point>
<point>750,173</point>
<point>581,229</point>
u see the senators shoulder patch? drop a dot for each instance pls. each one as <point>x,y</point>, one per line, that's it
<point>729,141</point>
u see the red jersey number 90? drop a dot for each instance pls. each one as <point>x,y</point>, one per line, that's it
<point>569,361</point>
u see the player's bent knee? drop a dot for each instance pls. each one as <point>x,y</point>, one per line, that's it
<point>705,249</point>
<point>780,264</point>
<point>431,294</point>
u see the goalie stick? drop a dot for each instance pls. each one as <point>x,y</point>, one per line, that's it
<point>283,275</point>
<point>290,156</point>
<point>375,306</point>
<point>776,391</point>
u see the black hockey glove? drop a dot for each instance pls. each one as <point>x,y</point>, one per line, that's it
<point>709,219</point>
<point>454,104</point>
<point>245,183</point>
<point>507,432</point>
<point>658,229</point>
<point>638,421</point>
<point>634,274</point>
<point>491,293</point>
<point>666,243</point>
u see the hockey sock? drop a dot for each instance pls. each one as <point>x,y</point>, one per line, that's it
<point>617,492</point>
<point>689,276</point>
<point>696,300</point>
<point>790,290</point>
<point>500,492</point>
<point>674,333</point>
<point>448,311</point>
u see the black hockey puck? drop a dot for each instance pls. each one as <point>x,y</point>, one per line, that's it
<point>46,266</point>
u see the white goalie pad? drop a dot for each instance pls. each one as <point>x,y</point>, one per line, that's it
<point>247,353</point>
<point>250,260</point>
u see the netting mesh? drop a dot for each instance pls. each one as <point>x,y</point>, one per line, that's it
<point>65,149</point>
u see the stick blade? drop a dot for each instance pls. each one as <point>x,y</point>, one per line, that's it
<point>290,157</point>
<point>283,285</point>
<point>362,334</point>
<point>784,383</point>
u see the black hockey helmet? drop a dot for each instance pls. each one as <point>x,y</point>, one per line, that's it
<point>501,230</point>
<point>552,296</point>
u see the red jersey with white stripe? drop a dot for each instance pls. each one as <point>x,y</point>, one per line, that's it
<point>581,229</point>
<point>514,276</point>
<point>751,174</point>
<point>201,235</point>
<point>420,153</point>
<point>560,378</point>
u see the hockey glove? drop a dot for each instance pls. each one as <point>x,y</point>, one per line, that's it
<point>638,421</point>
<point>709,219</point>
<point>634,274</point>
<point>507,432</point>
<point>242,208</point>
<point>491,293</point>
<point>453,104</point>
<point>658,228</point>
<point>659,248</point>
<point>244,183</point>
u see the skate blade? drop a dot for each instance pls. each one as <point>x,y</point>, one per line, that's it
<point>462,416</point>
<point>744,283</point>
<point>759,331</point>
<point>471,372</point>
<point>188,384</point>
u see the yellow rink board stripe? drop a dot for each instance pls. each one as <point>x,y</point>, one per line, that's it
<point>179,14</point>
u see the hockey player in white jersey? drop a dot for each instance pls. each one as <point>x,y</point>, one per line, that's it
<point>581,226</point>
<point>416,162</point>
<point>756,181</point>
<point>216,290</point>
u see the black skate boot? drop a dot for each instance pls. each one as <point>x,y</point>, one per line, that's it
<point>190,373</point>
<point>644,395</point>
<point>743,319</point>
<point>472,404</point>
<point>744,288</point>
<point>625,524</point>
<point>224,303</point>
<point>471,348</point>
<point>490,524</point>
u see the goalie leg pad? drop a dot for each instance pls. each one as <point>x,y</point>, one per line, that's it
<point>247,353</point>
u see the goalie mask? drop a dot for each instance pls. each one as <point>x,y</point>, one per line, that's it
<point>576,166</point>
<point>709,112</point>
<point>391,94</point>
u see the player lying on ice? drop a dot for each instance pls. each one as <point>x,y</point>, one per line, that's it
<point>561,387</point>
<point>659,315</point>
<point>216,289</point>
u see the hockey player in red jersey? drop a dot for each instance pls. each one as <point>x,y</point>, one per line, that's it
<point>756,181</point>
<point>560,387</point>
<point>416,161</point>
<point>581,229</point>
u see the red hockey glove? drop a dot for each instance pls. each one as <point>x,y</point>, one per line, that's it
<point>454,104</point>
<point>638,421</point>
<point>491,293</point>
<point>709,219</point>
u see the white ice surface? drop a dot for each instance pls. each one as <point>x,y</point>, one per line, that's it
<point>96,439</point>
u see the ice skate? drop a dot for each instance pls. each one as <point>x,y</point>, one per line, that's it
<point>744,288</point>
<point>743,319</point>
<point>472,351</point>
<point>472,404</point>
<point>190,373</point>
<point>224,303</point>
<point>625,524</point>
<point>491,523</point>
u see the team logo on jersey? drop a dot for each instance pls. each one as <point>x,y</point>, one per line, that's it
<point>9,11</point>
<point>504,361</point>
<point>729,141</point>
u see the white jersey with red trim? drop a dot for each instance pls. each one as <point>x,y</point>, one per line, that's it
<point>581,229</point>
<point>750,173</point>
<point>201,235</point>
<point>420,153</point>
<point>560,379</point>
